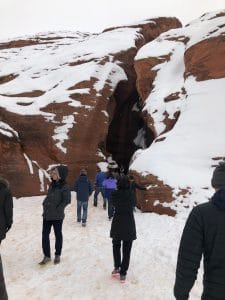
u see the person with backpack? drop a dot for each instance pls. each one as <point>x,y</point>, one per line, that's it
<point>204,235</point>
<point>83,188</point>
<point>6,221</point>
<point>58,197</point>
<point>123,228</point>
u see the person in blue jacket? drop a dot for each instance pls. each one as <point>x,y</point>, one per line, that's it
<point>83,188</point>
<point>99,178</point>
<point>110,185</point>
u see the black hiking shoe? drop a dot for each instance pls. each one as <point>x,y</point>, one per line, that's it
<point>122,278</point>
<point>57,259</point>
<point>116,272</point>
<point>45,260</point>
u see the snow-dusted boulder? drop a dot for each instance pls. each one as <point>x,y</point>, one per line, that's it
<point>58,94</point>
<point>181,81</point>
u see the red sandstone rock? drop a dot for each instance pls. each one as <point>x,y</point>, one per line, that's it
<point>205,60</point>
<point>24,159</point>
<point>203,57</point>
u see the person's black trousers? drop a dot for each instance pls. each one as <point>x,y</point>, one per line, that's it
<point>57,226</point>
<point>3,292</point>
<point>126,249</point>
<point>110,208</point>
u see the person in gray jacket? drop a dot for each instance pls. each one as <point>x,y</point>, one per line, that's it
<point>6,220</point>
<point>58,197</point>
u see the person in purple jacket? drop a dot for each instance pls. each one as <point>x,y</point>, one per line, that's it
<point>110,185</point>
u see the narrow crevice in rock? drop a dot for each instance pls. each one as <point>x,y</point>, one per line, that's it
<point>127,130</point>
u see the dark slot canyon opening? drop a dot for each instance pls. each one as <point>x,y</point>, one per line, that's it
<point>127,130</point>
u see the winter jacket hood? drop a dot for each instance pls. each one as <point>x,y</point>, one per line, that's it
<point>63,172</point>
<point>218,199</point>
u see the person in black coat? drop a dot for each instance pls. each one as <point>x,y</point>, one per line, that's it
<point>6,220</point>
<point>3,291</point>
<point>123,229</point>
<point>6,208</point>
<point>204,234</point>
<point>58,197</point>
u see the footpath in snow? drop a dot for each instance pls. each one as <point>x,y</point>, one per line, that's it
<point>85,269</point>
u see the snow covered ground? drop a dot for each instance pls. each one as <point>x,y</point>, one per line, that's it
<point>84,272</point>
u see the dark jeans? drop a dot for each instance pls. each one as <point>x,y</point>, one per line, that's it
<point>98,190</point>
<point>3,292</point>
<point>82,215</point>
<point>110,208</point>
<point>57,226</point>
<point>126,249</point>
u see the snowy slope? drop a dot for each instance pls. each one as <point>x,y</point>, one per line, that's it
<point>185,158</point>
<point>45,74</point>
<point>53,73</point>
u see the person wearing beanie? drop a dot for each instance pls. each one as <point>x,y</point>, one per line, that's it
<point>204,235</point>
<point>83,188</point>
<point>218,178</point>
<point>58,197</point>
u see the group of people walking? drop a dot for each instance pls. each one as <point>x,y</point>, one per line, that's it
<point>118,195</point>
<point>204,232</point>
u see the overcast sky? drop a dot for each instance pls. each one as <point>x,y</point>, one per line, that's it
<point>19,17</point>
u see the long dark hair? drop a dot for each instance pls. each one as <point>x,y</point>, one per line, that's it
<point>123,183</point>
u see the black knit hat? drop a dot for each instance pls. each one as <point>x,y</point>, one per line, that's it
<point>218,178</point>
